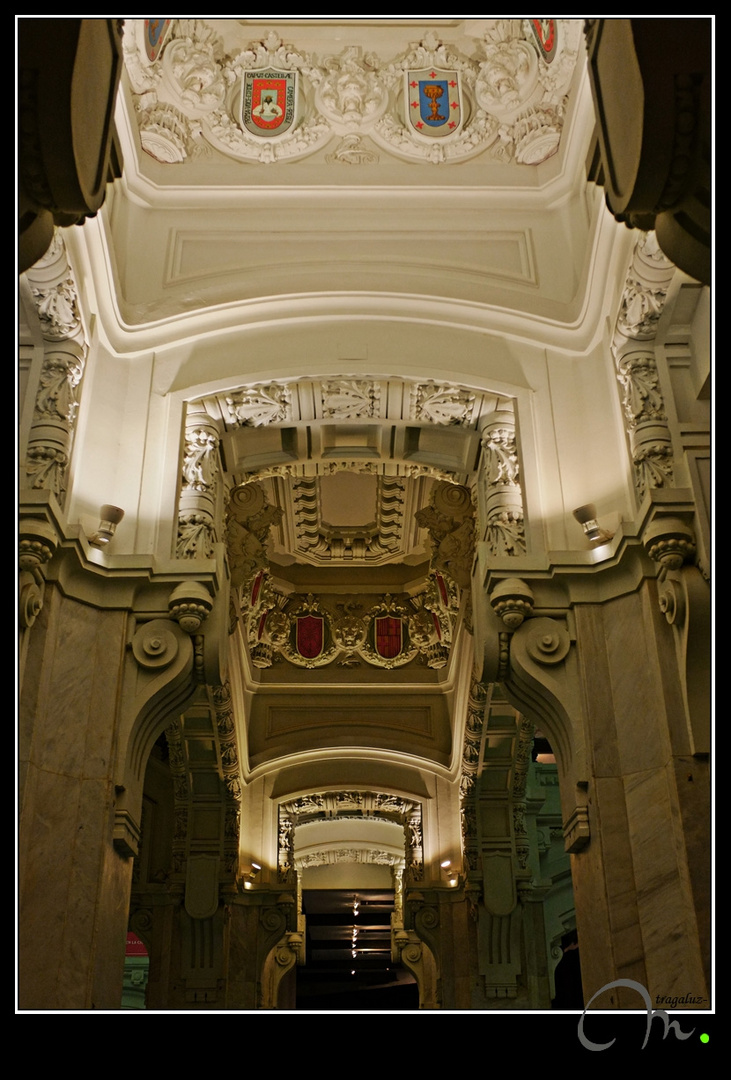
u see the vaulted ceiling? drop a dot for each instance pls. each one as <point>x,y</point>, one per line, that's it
<point>352,193</point>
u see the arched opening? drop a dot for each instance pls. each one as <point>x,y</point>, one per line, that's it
<point>350,849</point>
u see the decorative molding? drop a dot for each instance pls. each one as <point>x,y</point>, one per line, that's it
<point>126,834</point>
<point>319,541</point>
<point>351,150</point>
<point>189,606</point>
<point>502,523</point>
<point>331,805</point>
<point>50,442</point>
<point>229,753</point>
<point>249,519</point>
<point>512,601</point>
<point>576,831</point>
<point>476,704</point>
<point>646,422</point>
<point>256,406</point>
<point>37,543</point>
<point>314,631</point>
<point>350,399</point>
<point>200,483</point>
<point>352,95</point>
<point>508,102</point>
<point>442,403</point>
<point>365,855</point>
<point>450,522</point>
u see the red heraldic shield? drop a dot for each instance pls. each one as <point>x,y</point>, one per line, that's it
<point>389,637</point>
<point>310,636</point>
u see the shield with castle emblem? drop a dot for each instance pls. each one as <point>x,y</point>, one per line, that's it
<point>433,99</point>
<point>269,101</point>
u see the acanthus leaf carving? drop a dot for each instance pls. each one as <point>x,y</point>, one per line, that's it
<point>257,406</point>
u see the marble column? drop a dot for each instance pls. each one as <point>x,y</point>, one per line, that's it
<point>73,884</point>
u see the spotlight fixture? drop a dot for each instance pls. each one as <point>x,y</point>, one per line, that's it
<point>450,873</point>
<point>249,873</point>
<point>110,517</point>
<point>586,517</point>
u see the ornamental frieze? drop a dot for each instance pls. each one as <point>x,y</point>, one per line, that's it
<point>313,632</point>
<point>270,101</point>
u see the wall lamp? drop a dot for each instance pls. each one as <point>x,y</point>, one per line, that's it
<point>249,873</point>
<point>110,518</point>
<point>586,517</point>
<point>450,873</point>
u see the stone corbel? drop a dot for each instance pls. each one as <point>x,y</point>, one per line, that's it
<point>544,683</point>
<point>417,958</point>
<point>576,832</point>
<point>37,543</point>
<point>126,835</point>
<point>685,601</point>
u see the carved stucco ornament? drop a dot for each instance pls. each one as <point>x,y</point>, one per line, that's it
<point>450,522</point>
<point>190,605</point>
<point>155,644</point>
<point>669,542</point>
<point>512,601</point>
<point>36,546</point>
<point>643,300</point>
<point>65,349</point>
<point>547,642</point>
<point>351,96</point>
<point>201,477</point>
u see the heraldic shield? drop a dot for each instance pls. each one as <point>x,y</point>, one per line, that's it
<point>388,637</point>
<point>269,101</point>
<point>433,99</point>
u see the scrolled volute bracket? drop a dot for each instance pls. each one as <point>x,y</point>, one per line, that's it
<point>512,601</point>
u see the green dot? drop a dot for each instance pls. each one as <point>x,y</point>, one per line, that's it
<point>704,1037</point>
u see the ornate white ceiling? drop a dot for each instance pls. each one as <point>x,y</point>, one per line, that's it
<point>352,197</point>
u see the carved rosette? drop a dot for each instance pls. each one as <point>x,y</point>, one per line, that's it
<point>199,495</point>
<point>65,349</point>
<point>501,494</point>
